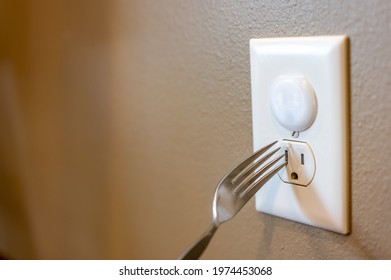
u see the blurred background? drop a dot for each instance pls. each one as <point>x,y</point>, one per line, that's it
<point>119,117</point>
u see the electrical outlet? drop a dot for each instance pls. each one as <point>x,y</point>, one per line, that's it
<point>300,168</point>
<point>300,97</point>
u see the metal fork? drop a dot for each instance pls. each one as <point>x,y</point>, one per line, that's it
<point>234,190</point>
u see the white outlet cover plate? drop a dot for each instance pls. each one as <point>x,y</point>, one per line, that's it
<point>325,202</point>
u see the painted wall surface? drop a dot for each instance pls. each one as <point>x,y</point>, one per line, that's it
<point>119,117</point>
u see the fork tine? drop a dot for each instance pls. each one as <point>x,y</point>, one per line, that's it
<point>250,180</point>
<point>254,187</point>
<point>242,166</point>
<point>245,175</point>
<point>252,167</point>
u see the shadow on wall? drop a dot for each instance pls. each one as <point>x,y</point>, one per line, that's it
<point>55,117</point>
<point>15,223</point>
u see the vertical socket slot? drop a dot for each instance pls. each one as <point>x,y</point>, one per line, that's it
<point>302,159</point>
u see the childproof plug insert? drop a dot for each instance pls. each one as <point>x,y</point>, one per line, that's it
<point>293,102</point>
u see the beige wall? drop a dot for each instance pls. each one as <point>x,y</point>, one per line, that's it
<point>119,117</point>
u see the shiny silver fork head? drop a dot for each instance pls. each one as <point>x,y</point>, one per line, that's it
<point>237,187</point>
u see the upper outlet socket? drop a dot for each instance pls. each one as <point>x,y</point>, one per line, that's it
<point>293,102</point>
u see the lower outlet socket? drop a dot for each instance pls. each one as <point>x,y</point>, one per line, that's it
<point>301,166</point>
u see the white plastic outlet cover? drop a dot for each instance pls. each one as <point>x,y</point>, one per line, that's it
<point>323,61</point>
<point>293,102</point>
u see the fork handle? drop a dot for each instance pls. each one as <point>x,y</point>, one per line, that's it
<point>197,248</point>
